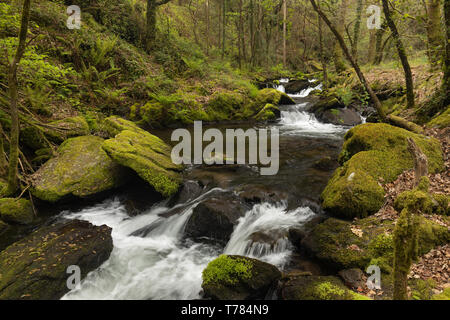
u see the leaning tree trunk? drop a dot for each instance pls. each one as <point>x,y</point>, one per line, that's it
<point>13,93</point>
<point>401,53</point>
<point>434,33</point>
<point>354,64</point>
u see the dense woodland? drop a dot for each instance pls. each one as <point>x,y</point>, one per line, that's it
<point>138,66</point>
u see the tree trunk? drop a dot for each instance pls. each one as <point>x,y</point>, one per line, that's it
<point>224,24</point>
<point>284,31</point>
<point>357,29</point>
<point>339,62</point>
<point>13,88</point>
<point>379,47</point>
<point>434,33</point>
<point>352,61</point>
<point>322,53</point>
<point>446,64</point>
<point>401,53</point>
<point>150,36</point>
<point>207,26</point>
<point>372,45</point>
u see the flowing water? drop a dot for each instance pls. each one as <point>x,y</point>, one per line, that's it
<point>152,259</point>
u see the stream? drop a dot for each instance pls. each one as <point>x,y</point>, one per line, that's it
<point>152,259</point>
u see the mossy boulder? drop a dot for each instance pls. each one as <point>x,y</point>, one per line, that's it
<point>114,125</point>
<point>33,138</point>
<point>18,211</point>
<point>147,155</point>
<point>269,112</point>
<point>67,128</point>
<point>373,152</point>
<point>239,278</point>
<point>3,226</point>
<point>223,105</point>
<point>308,287</point>
<point>35,267</point>
<point>273,96</point>
<point>81,168</point>
<point>345,245</point>
<point>445,295</point>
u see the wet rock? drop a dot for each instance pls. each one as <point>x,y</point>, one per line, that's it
<point>147,155</point>
<point>35,267</point>
<point>325,164</point>
<point>215,218</point>
<point>325,103</point>
<point>260,193</point>
<point>189,191</point>
<point>239,278</point>
<point>3,226</point>
<point>81,168</point>
<point>296,86</point>
<point>268,113</point>
<point>18,211</point>
<point>302,286</point>
<point>343,117</point>
<point>268,237</point>
<point>353,278</point>
<point>273,96</point>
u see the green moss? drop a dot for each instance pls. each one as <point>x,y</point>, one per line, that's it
<point>223,105</point>
<point>442,207</point>
<point>422,289</point>
<point>33,138</point>
<point>441,121</point>
<point>81,168</point>
<point>147,155</point>
<point>372,152</point>
<point>267,113</point>
<point>227,270</point>
<point>442,296</point>
<point>16,211</point>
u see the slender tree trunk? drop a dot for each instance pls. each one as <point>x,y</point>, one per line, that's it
<point>207,26</point>
<point>434,33</point>
<point>252,32</point>
<point>379,45</point>
<point>13,88</point>
<point>322,53</point>
<point>446,64</point>
<point>372,45</point>
<point>3,161</point>
<point>357,29</point>
<point>224,25</point>
<point>402,55</point>
<point>352,61</point>
<point>284,31</point>
<point>151,25</point>
<point>339,62</point>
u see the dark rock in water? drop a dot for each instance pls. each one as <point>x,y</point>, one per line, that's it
<point>189,191</point>
<point>260,193</point>
<point>268,237</point>
<point>326,164</point>
<point>344,117</point>
<point>215,218</point>
<point>138,196</point>
<point>353,278</point>
<point>304,286</point>
<point>325,103</point>
<point>296,235</point>
<point>35,267</point>
<point>239,278</point>
<point>297,86</point>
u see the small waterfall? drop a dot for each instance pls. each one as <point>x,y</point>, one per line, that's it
<point>263,232</point>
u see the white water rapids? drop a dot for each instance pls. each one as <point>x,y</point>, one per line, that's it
<point>162,264</point>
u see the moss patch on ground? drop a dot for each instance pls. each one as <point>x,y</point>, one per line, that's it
<point>16,210</point>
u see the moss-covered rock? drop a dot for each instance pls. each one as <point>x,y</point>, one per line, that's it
<point>36,266</point>
<point>239,278</point>
<point>442,204</point>
<point>373,152</point>
<point>33,138</point>
<point>81,168</point>
<point>441,121</point>
<point>223,105</point>
<point>369,241</point>
<point>67,128</point>
<point>307,287</point>
<point>16,210</point>
<point>146,154</point>
<point>3,226</point>
<point>269,112</point>
<point>445,295</point>
<point>115,125</point>
<point>273,96</point>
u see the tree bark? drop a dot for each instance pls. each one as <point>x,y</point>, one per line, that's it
<point>446,64</point>
<point>150,34</point>
<point>284,31</point>
<point>14,110</point>
<point>434,33</point>
<point>322,53</point>
<point>357,29</point>
<point>402,54</point>
<point>339,62</point>
<point>352,61</point>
